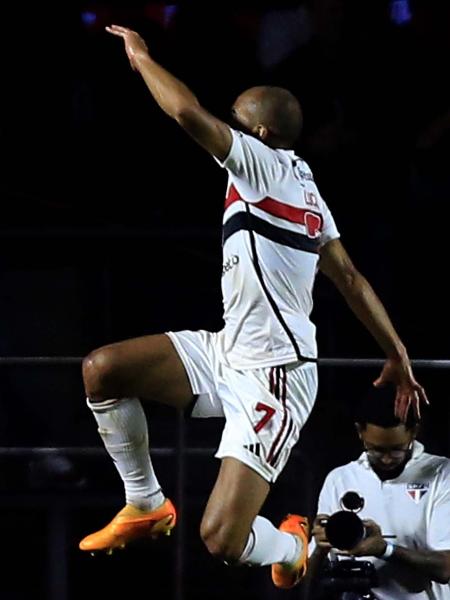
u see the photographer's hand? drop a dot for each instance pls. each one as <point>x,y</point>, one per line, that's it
<point>435,564</point>
<point>320,535</point>
<point>318,558</point>
<point>372,545</point>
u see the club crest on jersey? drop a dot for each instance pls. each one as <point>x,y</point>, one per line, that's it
<point>416,491</point>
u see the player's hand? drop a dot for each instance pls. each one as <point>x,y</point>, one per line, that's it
<point>134,44</point>
<point>372,545</point>
<point>409,392</point>
<point>319,533</point>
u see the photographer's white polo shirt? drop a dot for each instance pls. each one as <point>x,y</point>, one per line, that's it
<point>415,507</point>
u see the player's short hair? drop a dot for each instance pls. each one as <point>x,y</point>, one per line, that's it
<point>377,408</point>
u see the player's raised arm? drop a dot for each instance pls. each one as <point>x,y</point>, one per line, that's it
<point>174,97</point>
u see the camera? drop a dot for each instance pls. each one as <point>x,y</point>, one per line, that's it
<point>355,576</point>
<point>344,530</point>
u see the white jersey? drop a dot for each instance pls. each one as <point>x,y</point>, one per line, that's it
<point>274,223</point>
<point>415,507</point>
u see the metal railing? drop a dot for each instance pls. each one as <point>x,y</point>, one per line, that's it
<point>322,362</point>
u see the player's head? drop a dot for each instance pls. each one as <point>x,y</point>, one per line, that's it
<point>269,113</point>
<point>387,441</point>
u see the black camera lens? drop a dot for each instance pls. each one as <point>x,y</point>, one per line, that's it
<point>344,530</point>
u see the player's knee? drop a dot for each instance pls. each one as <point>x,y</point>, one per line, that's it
<point>99,373</point>
<point>221,540</point>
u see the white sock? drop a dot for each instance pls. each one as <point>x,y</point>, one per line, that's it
<point>267,545</point>
<point>122,425</point>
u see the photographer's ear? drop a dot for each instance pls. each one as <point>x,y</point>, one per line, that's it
<point>415,430</point>
<point>359,430</point>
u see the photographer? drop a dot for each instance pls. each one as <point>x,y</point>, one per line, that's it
<point>405,494</point>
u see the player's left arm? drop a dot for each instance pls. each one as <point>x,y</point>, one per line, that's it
<point>434,564</point>
<point>175,98</point>
<point>336,264</point>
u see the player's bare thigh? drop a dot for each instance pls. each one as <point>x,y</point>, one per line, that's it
<point>237,498</point>
<point>146,367</point>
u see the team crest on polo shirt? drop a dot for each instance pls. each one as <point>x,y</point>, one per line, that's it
<point>416,491</point>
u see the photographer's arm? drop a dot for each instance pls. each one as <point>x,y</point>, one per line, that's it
<point>316,564</point>
<point>434,564</point>
<point>318,558</point>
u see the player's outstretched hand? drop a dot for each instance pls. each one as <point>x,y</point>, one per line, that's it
<point>409,392</point>
<point>134,44</point>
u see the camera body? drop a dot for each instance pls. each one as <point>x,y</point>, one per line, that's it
<point>344,530</point>
<point>356,576</point>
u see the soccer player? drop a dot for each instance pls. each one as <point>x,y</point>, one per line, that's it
<point>260,370</point>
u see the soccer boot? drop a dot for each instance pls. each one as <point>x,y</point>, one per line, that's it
<point>129,525</point>
<point>286,575</point>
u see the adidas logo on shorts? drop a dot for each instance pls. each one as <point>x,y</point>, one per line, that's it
<point>255,448</point>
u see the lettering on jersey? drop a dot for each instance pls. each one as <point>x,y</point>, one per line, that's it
<point>306,175</point>
<point>416,491</point>
<point>230,263</point>
<point>311,199</point>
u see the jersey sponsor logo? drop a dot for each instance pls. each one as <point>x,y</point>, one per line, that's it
<point>416,491</point>
<point>230,263</point>
<point>306,175</point>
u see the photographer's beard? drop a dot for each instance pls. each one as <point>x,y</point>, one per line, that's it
<point>388,449</point>
<point>389,469</point>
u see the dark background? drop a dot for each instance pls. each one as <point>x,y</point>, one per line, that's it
<point>110,228</point>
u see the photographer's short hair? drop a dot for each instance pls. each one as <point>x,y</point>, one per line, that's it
<point>377,408</point>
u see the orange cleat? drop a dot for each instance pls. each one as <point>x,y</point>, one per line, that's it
<point>129,525</point>
<point>286,575</point>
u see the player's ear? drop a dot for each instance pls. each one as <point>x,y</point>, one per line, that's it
<point>261,131</point>
<point>358,430</point>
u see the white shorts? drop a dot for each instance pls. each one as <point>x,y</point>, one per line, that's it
<point>264,408</point>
